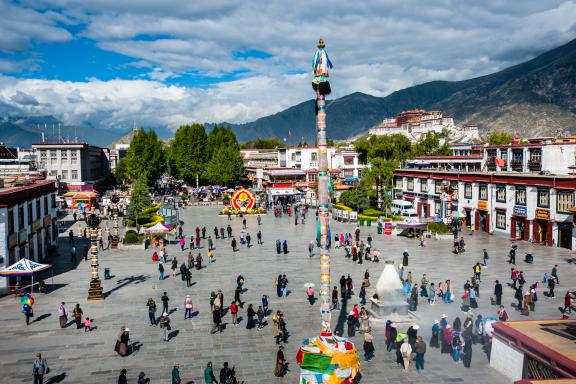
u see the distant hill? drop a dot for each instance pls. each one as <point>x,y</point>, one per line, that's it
<point>534,98</point>
<point>22,131</point>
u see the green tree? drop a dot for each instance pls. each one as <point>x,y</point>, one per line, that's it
<point>499,138</point>
<point>389,147</point>
<point>140,198</point>
<point>145,156</point>
<point>220,137</point>
<point>225,167</point>
<point>430,145</point>
<point>378,176</point>
<point>266,143</point>
<point>188,152</point>
<point>356,198</point>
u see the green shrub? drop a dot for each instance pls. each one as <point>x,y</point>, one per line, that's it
<point>132,237</point>
<point>342,207</point>
<point>373,212</point>
<point>438,227</point>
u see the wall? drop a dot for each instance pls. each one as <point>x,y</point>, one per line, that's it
<point>507,360</point>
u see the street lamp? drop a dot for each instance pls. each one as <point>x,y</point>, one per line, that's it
<point>95,290</point>
<point>115,200</point>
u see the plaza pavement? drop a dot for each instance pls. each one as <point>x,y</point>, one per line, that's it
<point>78,357</point>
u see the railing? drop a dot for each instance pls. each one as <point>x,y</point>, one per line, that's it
<point>516,164</point>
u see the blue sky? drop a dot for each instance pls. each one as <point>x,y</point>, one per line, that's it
<point>169,62</point>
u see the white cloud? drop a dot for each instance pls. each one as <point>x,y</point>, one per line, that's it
<point>378,46</point>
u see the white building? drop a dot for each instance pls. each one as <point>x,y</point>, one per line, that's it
<point>27,223</point>
<point>78,166</point>
<point>417,123</point>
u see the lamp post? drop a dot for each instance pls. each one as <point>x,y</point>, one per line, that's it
<point>115,200</point>
<point>95,290</point>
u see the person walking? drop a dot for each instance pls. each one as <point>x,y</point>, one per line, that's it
<point>63,315</point>
<point>182,244</point>
<point>485,258</point>
<point>124,342</point>
<point>250,313</point>
<point>176,374</point>
<point>210,244</point>
<point>190,260</point>
<point>498,293</point>
<point>209,377</point>
<point>165,325</point>
<point>265,304</point>
<point>188,277</point>
<point>368,346</point>
<point>73,254</point>
<point>187,307</point>
<point>151,304</point>
<point>259,237</point>
<point>217,320</point>
<point>311,248</point>
<point>554,274</point>
<point>278,247</point>
<point>203,232</point>
<point>229,230</point>
<point>226,374</point>
<point>284,286</point>
<point>161,271</point>
<point>122,378</point>
<point>280,367</point>
<point>174,267</point>
<point>405,256</point>
<point>234,313</point>
<point>335,297</point>
<point>183,271</point>
<point>198,262</point>
<point>77,313</point>
<point>420,349</point>
<point>39,369</point>
<point>551,286</point>
<point>406,351</point>
<point>233,244</point>
<point>237,293</point>
<point>165,299</point>
<point>260,315</point>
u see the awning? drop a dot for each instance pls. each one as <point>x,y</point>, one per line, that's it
<point>24,267</point>
<point>351,179</point>
<point>158,228</point>
<point>281,192</point>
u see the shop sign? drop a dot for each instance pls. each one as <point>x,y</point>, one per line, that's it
<point>48,221</point>
<point>22,236</point>
<point>13,240</point>
<point>36,225</point>
<point>542,214</point>
<point>519,210</point>
<point>483,205</point>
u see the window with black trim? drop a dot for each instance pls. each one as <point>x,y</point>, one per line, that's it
<point>564,201</point>
<point>410,184</point>
<point>543,198</point>
<point>500,219</point>
<point>437,187</point>
<point>520,196</point>
<point>482,192</point>
<point>501,194</point>
<point>399,183</point>
<point>423,185</point>
<point>467,191</point>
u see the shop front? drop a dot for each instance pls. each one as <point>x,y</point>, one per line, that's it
<point>542,227</point>
<point>482,217</point>
<point>519,225</point>
<point>467,216</point>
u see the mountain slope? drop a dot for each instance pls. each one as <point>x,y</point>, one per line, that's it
<point>533,98</point>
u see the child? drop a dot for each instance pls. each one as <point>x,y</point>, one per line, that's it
<point>87,325</point>
<point>546,277</point>
<point>210,256</point>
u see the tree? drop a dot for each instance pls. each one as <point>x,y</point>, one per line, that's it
<point>145,156</point>
<point>499,138</point>
<point>378,176</point>
<point>188,152</point>
<point>390,147</point>
<point>140,198</point>
<point>269,143</point>
<point>225,167</point>
<point>430,145</point>
<point>356,198</point>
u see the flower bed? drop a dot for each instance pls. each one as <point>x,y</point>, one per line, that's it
<point>232,211</point>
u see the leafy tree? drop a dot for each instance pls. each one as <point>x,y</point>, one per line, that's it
<point>430,145</point>
<point>356,198</point>
<point>266,143</point>
<point>220,137</point>
<point>225,167</point>
<point>499,138</point>
<point>140,197</point>
<point>188,152</point>
<point>145,156</point>
<point>390,147</point>
<point>120,171</point>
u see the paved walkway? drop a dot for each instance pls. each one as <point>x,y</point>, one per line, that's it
<point>78,357</point>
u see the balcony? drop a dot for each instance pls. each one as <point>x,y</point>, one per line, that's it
<point>517,165</point>
<point>535,164</point>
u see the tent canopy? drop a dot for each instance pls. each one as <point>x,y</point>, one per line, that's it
<point>158,228</point>
<point>24,267</point>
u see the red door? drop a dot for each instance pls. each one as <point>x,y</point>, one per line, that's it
<point>512,228</point>
<point>419,209</point>
<point>477,220</point>
<point>527,230</point>
<point>549,233</point>
<point>487,223</point>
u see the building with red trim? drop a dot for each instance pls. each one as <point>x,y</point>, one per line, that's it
<point>529,351</point>
<point>27,223</point>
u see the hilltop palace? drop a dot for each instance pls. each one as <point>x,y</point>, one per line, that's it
<point>416,123</point>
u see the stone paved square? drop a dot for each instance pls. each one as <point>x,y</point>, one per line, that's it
<point>78,357</point>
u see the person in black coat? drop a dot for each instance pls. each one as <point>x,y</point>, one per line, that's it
<point>405,258</point>
<point>498,293</point>
<point>122,378</point>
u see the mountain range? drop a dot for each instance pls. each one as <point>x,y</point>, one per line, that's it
<point>534,98</point>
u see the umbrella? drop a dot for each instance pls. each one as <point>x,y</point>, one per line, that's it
<point>309,285</point>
